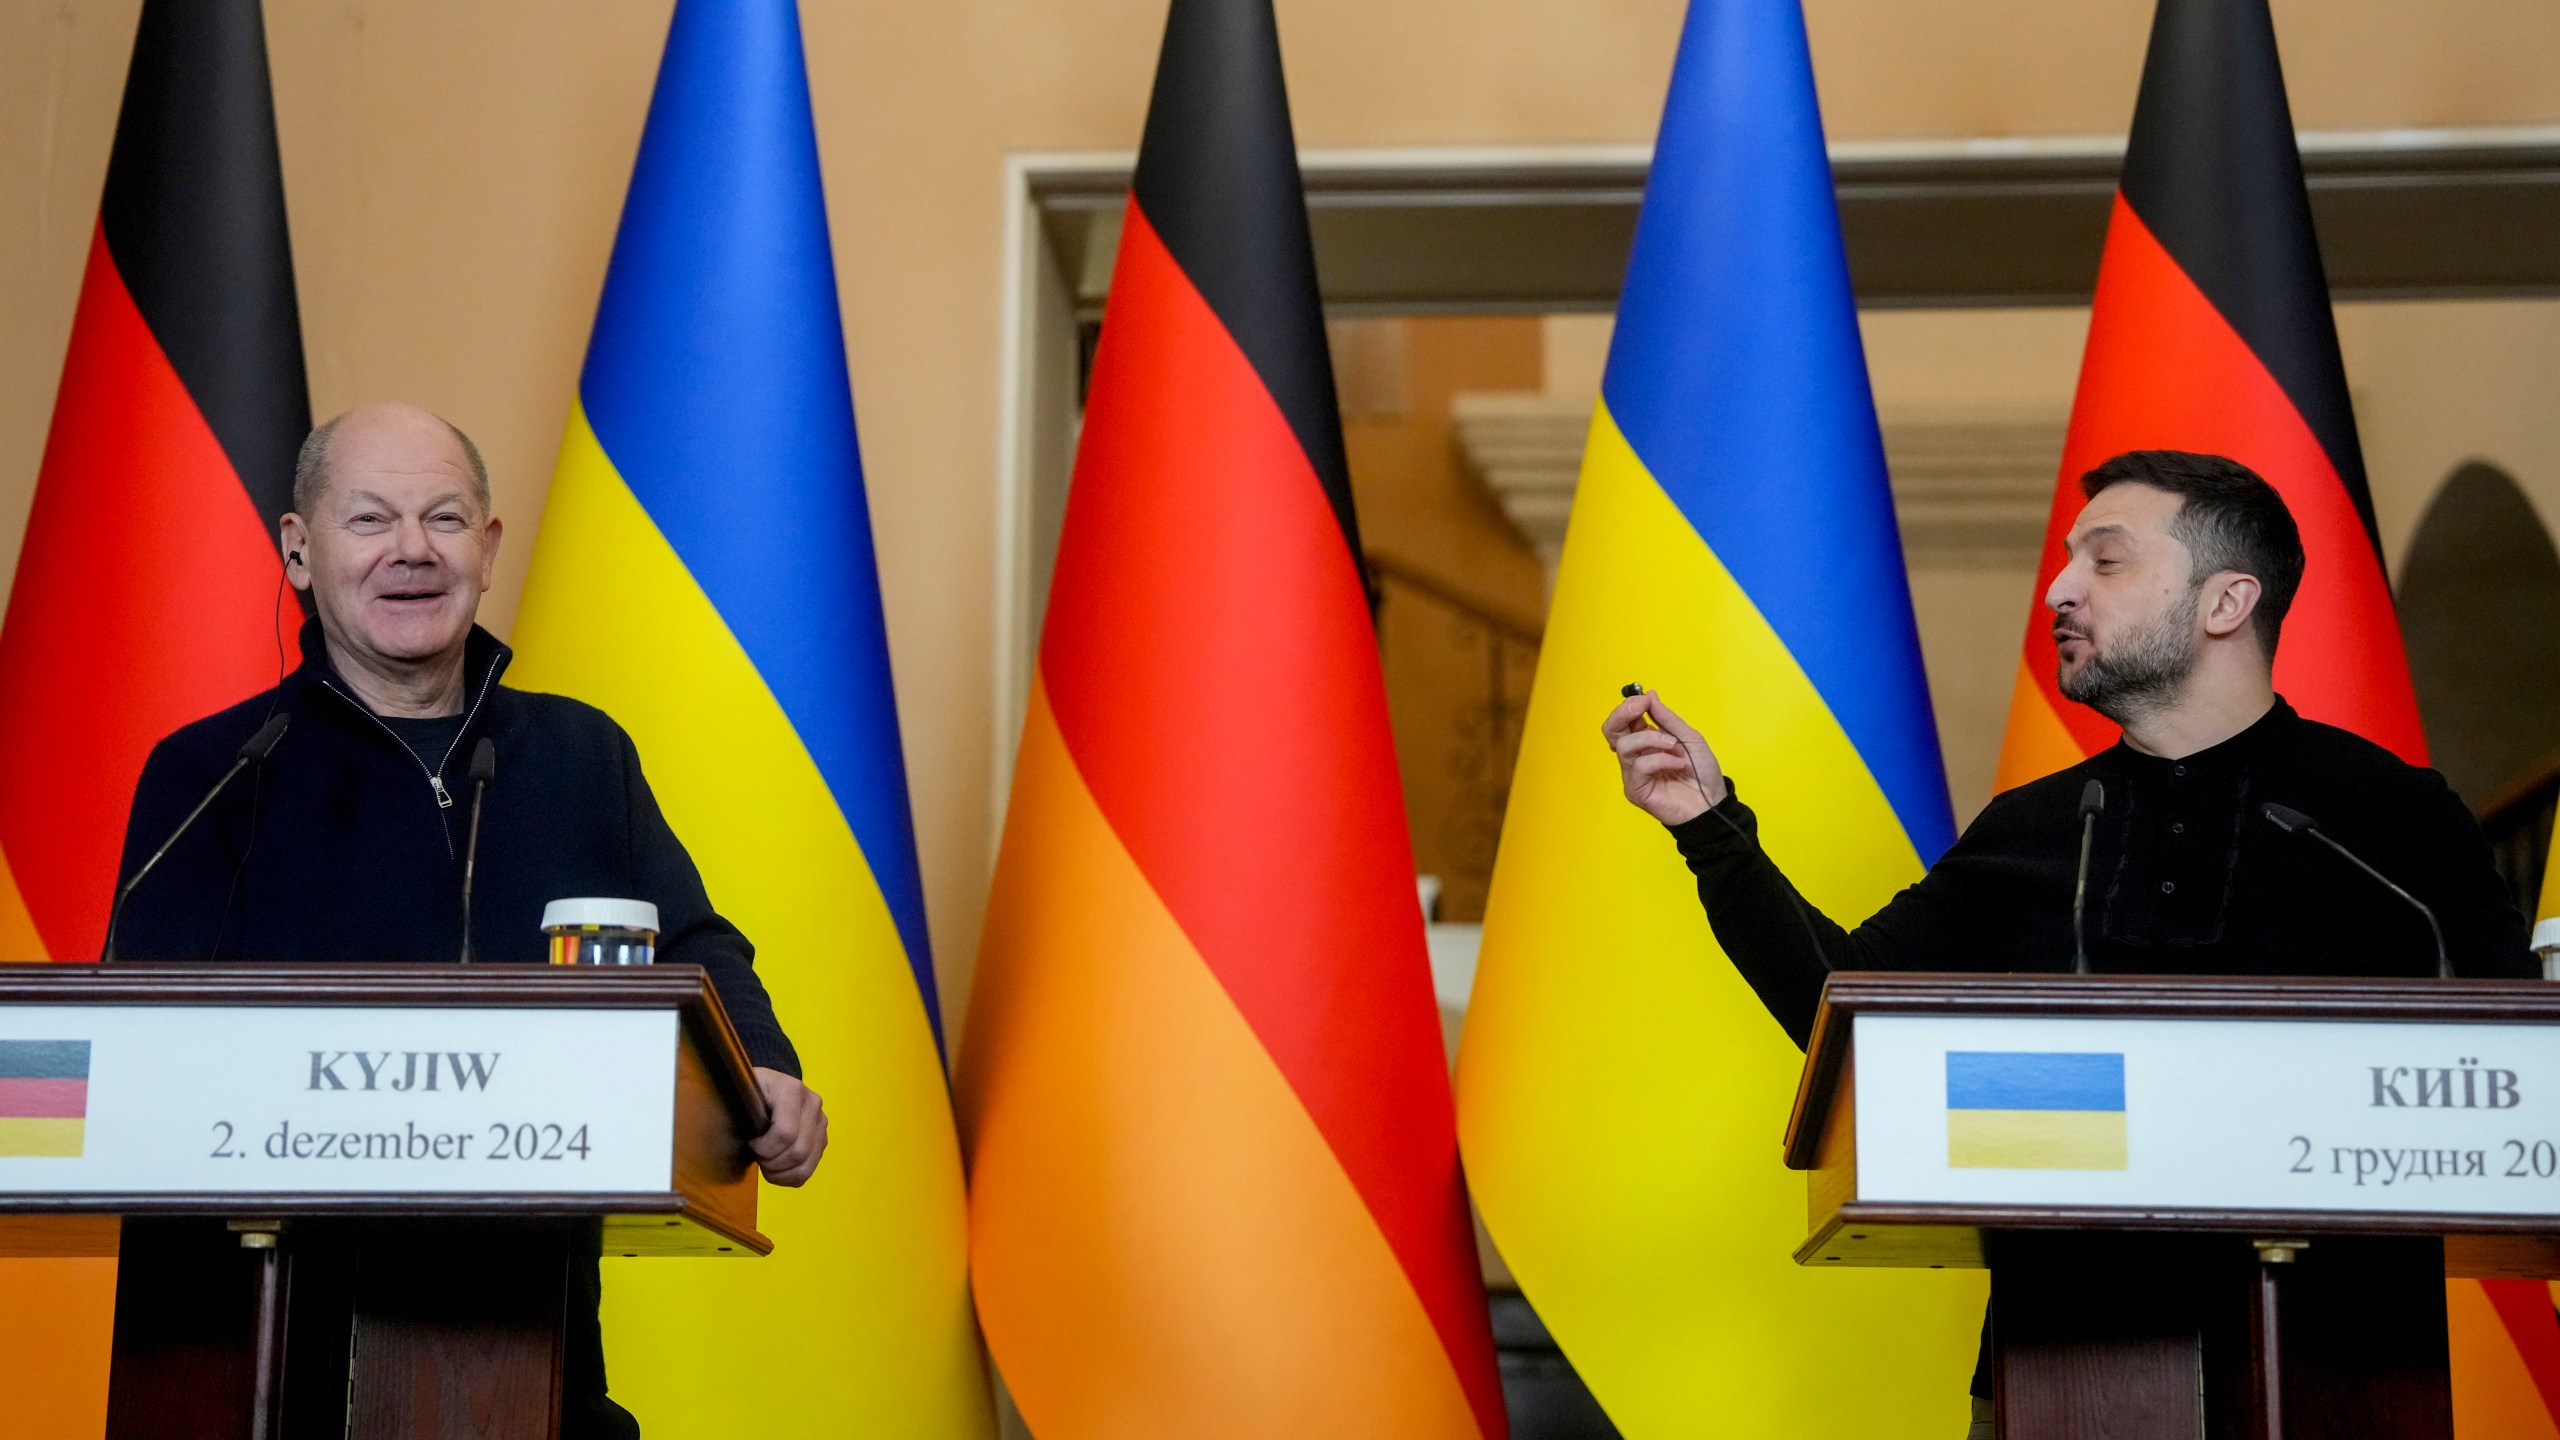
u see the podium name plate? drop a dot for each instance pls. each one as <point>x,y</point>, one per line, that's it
<point>1936,1108</point>
<point>2210,1114</point>
<point>372,1091</point>
<point>181,1099</point>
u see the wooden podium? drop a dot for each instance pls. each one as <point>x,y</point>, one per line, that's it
<point>2210,1207</point>
<point>359,1200</point>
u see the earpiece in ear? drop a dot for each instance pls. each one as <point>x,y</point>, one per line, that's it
<point>293,557</point>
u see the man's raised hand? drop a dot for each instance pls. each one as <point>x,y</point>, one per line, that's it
<point>1665,767</point>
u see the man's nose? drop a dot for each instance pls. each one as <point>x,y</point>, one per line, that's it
<point>2063,595</point>
<point>412,546</point>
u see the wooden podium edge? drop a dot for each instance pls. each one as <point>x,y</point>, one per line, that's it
<point>1867,1232</point>
<point>634,1222</point>
<point>1848,994</point>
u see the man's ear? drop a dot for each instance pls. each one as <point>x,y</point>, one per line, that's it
<point>294,537</point>
<point>2230,599</point>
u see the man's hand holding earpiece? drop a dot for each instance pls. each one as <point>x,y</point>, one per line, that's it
<point>1666,768</point>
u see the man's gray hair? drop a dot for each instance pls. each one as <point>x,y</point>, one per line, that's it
<point>311,465</point>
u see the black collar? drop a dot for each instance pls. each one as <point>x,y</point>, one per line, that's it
<point>484,661</point>
<point>2226,757</point>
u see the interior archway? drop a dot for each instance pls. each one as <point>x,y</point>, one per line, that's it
<point>2480,611</point>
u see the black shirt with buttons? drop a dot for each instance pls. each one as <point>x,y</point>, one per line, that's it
<point>2186,877</point>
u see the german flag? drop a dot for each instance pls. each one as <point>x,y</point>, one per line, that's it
<point>1215,1184</point>
<point>44,1096</point>
<point>2212,332</point>
<point>148,590</point>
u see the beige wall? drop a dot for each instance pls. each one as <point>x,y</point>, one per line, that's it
<point>453,171</point>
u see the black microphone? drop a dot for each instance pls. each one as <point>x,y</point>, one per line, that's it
<point>2294,822</point>
<point>484,768</point>
<point>2093,799</point>
<point>253,750</point>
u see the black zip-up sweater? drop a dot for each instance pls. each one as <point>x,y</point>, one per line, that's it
<point>2186,877</point>
<point>342,845</point>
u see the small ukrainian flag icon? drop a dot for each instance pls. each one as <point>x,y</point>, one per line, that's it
<point>2035,1110</point>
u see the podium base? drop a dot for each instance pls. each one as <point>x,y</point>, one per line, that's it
<point>374,1330</point>
<point>2129,1336</point>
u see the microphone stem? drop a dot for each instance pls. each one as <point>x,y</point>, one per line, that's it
<point>2080,897</point>
<point>2444,960</point>
<point>470,863</point>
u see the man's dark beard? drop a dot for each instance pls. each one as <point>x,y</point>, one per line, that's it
<point>2141,673</point>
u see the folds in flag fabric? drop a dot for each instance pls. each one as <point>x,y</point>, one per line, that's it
<point>1621,1090</point>
<point>705,574</point>
<point>2212,331</point>
<point>148,586</point>
<point>2505,1339</point>
<point>1214,1181</point>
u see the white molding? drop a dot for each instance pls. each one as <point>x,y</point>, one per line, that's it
<point>1022,167</point>
<point>1527,448</point>
<point>1014,431</point>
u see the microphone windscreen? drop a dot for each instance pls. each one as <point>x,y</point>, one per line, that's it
<point>2287,819</point>
<point>257,745</point>
<point>2093,799</point>
<point>484,761</point>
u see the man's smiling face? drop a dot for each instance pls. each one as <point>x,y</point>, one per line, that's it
<point>400,547</point>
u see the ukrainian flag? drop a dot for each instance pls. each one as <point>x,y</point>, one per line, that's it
<point>2035,1110</point>
<point>1621,1090</point>
<point>705,575</point>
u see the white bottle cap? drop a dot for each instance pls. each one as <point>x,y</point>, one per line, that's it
<point>2546,935</point>
<point>594,910</point>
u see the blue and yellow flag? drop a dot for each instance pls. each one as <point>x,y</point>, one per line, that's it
<point>1621,1091</point>
<point>705,575</point>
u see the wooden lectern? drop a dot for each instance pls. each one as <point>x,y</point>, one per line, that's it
<point>356,1200</point>
<point>2210,1207</point>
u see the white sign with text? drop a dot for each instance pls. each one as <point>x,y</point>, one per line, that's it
<point>328,1100</point>
<point>2209,1114</point>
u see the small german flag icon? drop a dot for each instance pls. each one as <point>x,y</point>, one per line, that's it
<point>44,1096</point>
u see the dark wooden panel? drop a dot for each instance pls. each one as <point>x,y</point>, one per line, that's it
<point>183,1363</point>
<point>2364,1349</point>
<point>458,1332</point>
<point>321,1262</point>
<point>2099,1338</point>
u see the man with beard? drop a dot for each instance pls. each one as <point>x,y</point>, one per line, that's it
<point>2165,619</point>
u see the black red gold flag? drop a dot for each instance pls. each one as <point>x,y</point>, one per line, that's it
<point>1215,1183</point>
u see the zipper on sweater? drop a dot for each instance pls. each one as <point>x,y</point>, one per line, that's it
<point>435,777</point>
